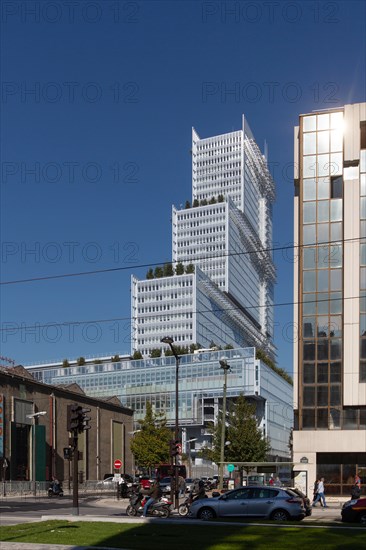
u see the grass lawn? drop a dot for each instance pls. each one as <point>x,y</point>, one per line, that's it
<point>182,537</point>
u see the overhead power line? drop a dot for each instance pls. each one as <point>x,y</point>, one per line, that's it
<point>202,258</point>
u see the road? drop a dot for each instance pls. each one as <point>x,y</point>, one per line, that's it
<point>21,510</point>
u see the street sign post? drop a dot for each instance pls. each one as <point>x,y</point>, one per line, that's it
<point>118,464</point>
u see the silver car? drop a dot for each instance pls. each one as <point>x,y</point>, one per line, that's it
<point>259,501</point>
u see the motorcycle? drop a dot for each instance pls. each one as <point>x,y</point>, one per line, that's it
<point>183,509</point>
<point>160,508</point>
<point>55,490</point>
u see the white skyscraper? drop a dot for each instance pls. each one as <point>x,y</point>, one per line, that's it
<point>227,235</point>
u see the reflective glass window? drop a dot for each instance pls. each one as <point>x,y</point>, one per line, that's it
<point>322,373</point>
<point>309,304</point>
<point>335,372</point>
<point>309,373</point>
<point>336,121</point>
<point>323,303</point>
<point>363,184</point>
<point>322,396</point>
<point>322,326</point>
<point>323,256</point>
<point>309,212</point>
<point>335,326</point>
<point>308,418</point>
<point>309,258</point>
<point>323,233</point>
<point>336,140</point>
<point>336,348</point>
<point>322,418</point>
<point>309,166</point>
<point>323,165</point>
<point>322,349</point>
<point>336,279</point>
<point>309,396</point>
<point>363,160</point>
<point>323,142</point>
<point>335,231</point>
<point>335,255</point>
<point>309,189</point>
<point>336,210</point>
<point>309,143</point>
<point>309,281</point>
<point>323,121</point>
<point>363,254</point>
<point>309,123</point>
<point>309,351</point>
<point>309,234</point>
<point>323,211</point>
<point>323,188</point>
<point>363,208</point>
<point>336,164</point>
<point>308,329</point>
<point>323,280</point>
<point>336,302</point>
<point>363,277</point>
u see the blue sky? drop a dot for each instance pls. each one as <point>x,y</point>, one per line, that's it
<point>98,100</point>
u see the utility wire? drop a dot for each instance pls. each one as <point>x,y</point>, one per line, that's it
<point>190,260</point>
<point>173,314</point>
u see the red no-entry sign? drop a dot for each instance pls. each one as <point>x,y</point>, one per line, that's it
<point>117,464</point>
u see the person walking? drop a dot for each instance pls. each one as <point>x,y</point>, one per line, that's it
<point>320,494</point>
<point>182,486</point>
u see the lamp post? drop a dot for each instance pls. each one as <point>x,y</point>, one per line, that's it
<point>225,367</point>
<point>169,341</point>
<point>33,416</point>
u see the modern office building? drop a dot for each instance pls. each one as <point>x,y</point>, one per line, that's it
<point>330,296</point>
<point>226,234</point>
<point>200,385</point>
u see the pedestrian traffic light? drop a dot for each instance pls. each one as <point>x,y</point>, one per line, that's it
<point>84,419</point>
<point>73,417</point>
<point>174,445</point>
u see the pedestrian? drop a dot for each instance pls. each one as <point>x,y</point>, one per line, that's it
<point>320,493</point>
<point>356,488</point>
<point>358,481</point>
<point>182,486</point>
<point>271,480</point>
<point>277,482</point>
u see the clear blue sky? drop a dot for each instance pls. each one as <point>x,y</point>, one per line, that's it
<point>99,102</point>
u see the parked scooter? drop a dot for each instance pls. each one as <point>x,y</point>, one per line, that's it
<point>160,508</point>
<point>183,509</point>
<point>55,489</point>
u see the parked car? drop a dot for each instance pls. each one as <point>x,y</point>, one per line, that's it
<point>306,501</point>
<point>259,501</point>
<point>354,511</point>
<point>165,484</point>
<point>145,482</point>
<point>110,482</point>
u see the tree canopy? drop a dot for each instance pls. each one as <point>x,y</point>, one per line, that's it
<point>247,443</point>
<point>150,445</point>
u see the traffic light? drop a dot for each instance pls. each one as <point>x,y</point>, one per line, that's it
<point>73,417</point>
<point>83,420</point>
<point>174,446</point>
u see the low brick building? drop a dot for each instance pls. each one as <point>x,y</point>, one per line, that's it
<point>33,430</point>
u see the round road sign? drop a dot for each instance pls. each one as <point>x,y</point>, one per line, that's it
<point>117,464</point>
<point>231,467</point>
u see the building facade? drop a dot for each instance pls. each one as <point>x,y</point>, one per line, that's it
<point>330,296</point>
<point>200,385</point>
<point>225,234</point>
<point>33,434</point>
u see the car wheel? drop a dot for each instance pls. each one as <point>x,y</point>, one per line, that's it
<point>130,511</point>
<point>280,515</point>
<point>206,513</point>
<point>183,510</point>
<point>363,518</point>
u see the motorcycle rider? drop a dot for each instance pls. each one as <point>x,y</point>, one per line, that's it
<point>154,493</point>
<point>198,492</point>
<point>55,484</point>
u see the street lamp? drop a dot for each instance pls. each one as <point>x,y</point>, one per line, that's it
<point>225,367</point>
<point>169,341</point>
<point>33,416</point>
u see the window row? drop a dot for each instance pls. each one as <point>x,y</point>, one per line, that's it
<point>322,142</point>
<point>322,233</point>
<point>322,326</point>
<point>322,303</point>
<point>323,280</point>
<point>322,350</point>
<point>324,257</point>
<point>322,395</point>
<point>323,188</point>
<point>324,121</point>
<point>324,211</point>
<point>322,165</point>
<point>334,418</point>
<point>322,373</point>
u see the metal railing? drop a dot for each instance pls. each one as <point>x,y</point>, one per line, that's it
<point>34,489</point>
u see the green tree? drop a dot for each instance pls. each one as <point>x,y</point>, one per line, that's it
<point>81,361</point>
<point>260,354</point>
<point>220,198</point>
<point>150,274</point>
<point>150,446</point>
<point>156,352</point>
<point>190,268</point>
<point>203,202</point>
<point>137,355</point>
<point>158,272</point>
<point>195,203</point>
<point>229,346</point>
<point>187,205</point>
<point>179,268</point>
<point>65,363</point>
<point>168,270</point>
<point>115,358</point>
<point>247,443</point>
<point>212,200</point>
